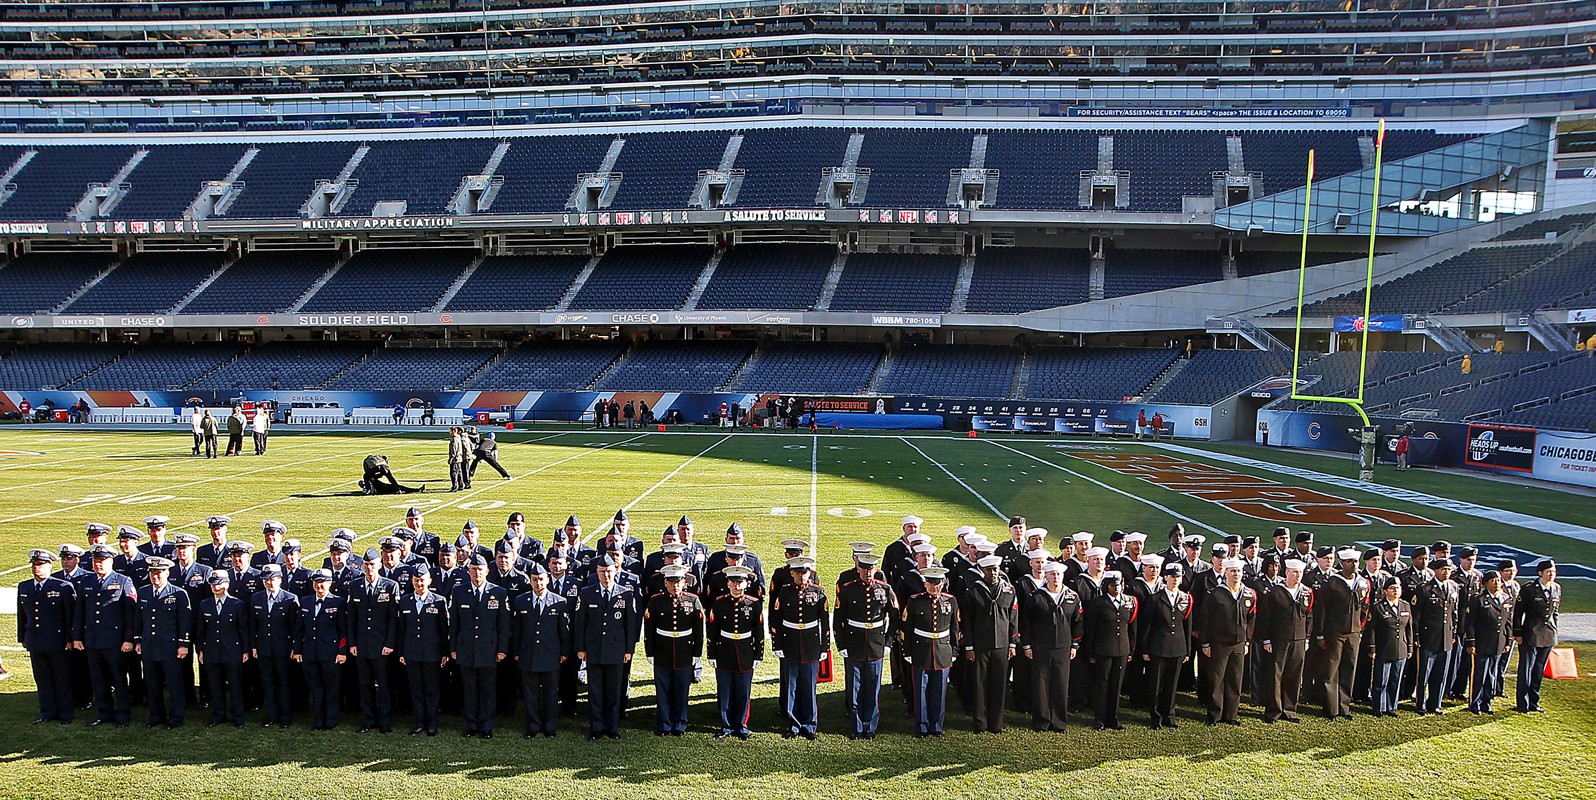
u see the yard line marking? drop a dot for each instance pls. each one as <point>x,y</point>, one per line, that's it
<point>967,487</point>
<point>160,489</point>
<point>1115,490</point>
<point>176,459</point>
<point>679,467</point>
<point>814,495</point>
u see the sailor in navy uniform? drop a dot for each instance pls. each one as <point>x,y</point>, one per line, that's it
<point>800,635</point>
<point>272,613</point>
<point>321,646</point>
<point>1225,622</point>
<point>1050,634</point>
<point>864,622</point>
<point>540,643</point>
<point>1284,621</point>
<point>222,645</point>
<point>373,632</point>
<point>736,632</point>
<point>45,613</point>
<point>106,614</point>
<point>605,634</point>
<point>158,545</point>
<point>673,640</point>
<point>1535,630</point>
<point>989,613</point>
<point>166,626</point>
<point>930,631</point>
<point>423,648</point>
<point>1165,642</point>
<point>479,639</point>
<point>1341,608</point>
<point>1107,642</point>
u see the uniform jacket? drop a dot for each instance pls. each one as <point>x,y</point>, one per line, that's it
<point>322,636</point>
<point>1049,625</point>
<point>1165,629</point>
<point>673,630</point>
<point>1225,618</point>
<point>166,622</point>
<point>1390,630</point>
<point>1340,610</point>
<point>373,618</point>
<point>424,634</point>
<point>479,627</point>
<point>989,616</point>
<point>1487,624</point>
<point>605,628</point>
<point>800,628</point>
<point>539,638</point>
<point>865,619</point>
<point>106,613</point>
<point>46,614</point>
<point>272,632</point>
<point>736,632</point>
<point>1435,613</point>
<point>1535,614</point>
<point>931,630</point>
<point>222,636</point>
<point>1284,618</point>
<point>1107,626</point>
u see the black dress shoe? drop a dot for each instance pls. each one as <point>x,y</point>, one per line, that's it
<point>660,733</point>
<point>238,725</point>
<point>726,734</point>
<point>97,723</point>
<point>432,731</point>
<point>746,735</point>
<point>789,735</point>
<point>122,724</point>
<point>678,733</point>
<point>1210,722</point>
<point>364,729</point>
<point>613,734</point>
<point>1097,726</point>
<point>172,726</point>
<point>1295,720</point>
<point>150,724</point>
<point>1156,725</point>
<point>387,729</point>
<point>1116,726</point>
<point>417,731</point>
<point>1235,722</point>
<point>212,724</point>
<point>548,734</point>
<point>469,734</point>
<point>285,726</point>
<point>810,735</point>
<point>267,724</point>
<point>487,734</point>
<point>40,721</point>
<point>1269,721</point>
<point>528,735</point>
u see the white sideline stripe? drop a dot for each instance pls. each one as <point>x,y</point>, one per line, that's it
<point>679,467</point>
<point>1114,489</point>
<point>967,487</point>
<point>1541,524</point>
<point>175,459</point>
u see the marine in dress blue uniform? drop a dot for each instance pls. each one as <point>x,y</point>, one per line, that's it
<point>605,636</point>
<point>864,622</point>
<point>673,639</point>
<point>930,632</point>
<point>166,628</point>
<point>107,612</point>
<point>736,634</point>
<point>479,639</point>
<point>540,643</point>
<point>321,646</point>
<point>800,634</point>
<point>45,615</point>
<point>273,612</point>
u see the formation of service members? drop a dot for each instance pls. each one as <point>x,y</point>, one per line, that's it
<point>473,626</point>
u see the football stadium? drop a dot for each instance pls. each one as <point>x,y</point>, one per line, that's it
<point>1171,399</point>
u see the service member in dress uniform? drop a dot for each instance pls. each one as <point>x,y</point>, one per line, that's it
<point>735,555</point>
<point>930,631</point>
<point>1487,629</point>
<point>800,635</point>
<point>863,625</point>
<point>722,559</point>
<point>425,543</point>
<point>321,646</point>
<point>130,561</point>
<point>1225,622</point>
<point>1390,640</point>
<point>1165,642</point>
<point>540,643</point>
<point>74,573</point>
<point>1107,644</point>
<point>106,615</point>
<point>273,613</point>
<point>271,551</point>
<point>605,634</point>
<point>1470,581</point>
<point>1535,630</point>
<point>1436,617</point>
<point>1285,617</point>
<point>192,577</point>
<point>158,545</point>
<point>166,626</point>
<point>221,646</point>
<point>736,633</point>
<point>989,615</point>
<point>423,649</point>
<point>1050,632</point>
<point>673,640</point>
<point>214,553</point>
<point>240,575</point>
<point>1142,585</point>
<point>479,639</point>
<point>564,584</point>
<point>46,609</point>
<point>373,632</point>
<point>1341,608</point>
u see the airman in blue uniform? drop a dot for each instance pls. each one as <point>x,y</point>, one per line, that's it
<point>479,638</point>
<point>45,609</point>
<point>605,635</point>
<point>540,642</point>
<point>273,612</point>
<point>107,613</point>
<point>321,645</point>
<point>373,632</point>
<point>166,626</point>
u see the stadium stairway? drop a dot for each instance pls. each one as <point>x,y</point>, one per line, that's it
<point>313,288</point>
<point>227,262</point>
<point>459,283</point>
<point>84,289</point>
<point>576,285</point>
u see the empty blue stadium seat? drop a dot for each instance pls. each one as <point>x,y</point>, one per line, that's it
<point>58,177</point>
<point>517,283</point>
<point>1135,271</point>
<point>643,277</point>
<point>391,280</point>
<point>1094,373</point>
<point>769,276</point>
<point>169,178</point>
<point>282,176</point>
<point>425,173</point>
<point>540,171</point>
<point>1009,280</point>
<point>169,365</point>
<point>912,166</point>
<point>896,282</point>
<point>37,283</point>
<point>682,366</point>
<point>149,282</point>
<point>264,281</point>
<point>818,367</point>
<point>972,371</point>
<point>286,365</point>
<point>413,368</point>
<point>549,366</point>
<point>784,165</point>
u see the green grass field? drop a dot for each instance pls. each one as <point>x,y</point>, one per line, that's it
<point>831,488</point>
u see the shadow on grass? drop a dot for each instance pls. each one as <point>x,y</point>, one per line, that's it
<point>641,758</point>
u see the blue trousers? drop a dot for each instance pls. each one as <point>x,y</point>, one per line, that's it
<point>733,693</point>
<point>798,700</point>
<point>1385,685</point>
<point>1460,671</point>
<point>671,687</point>
<point>1487,681</point>
<point>1434,666</point>
<point>864,694</point>
<point>1501,668</point>
<point>606,684</point>
<point>930,699</point>
<point>1531,669</point>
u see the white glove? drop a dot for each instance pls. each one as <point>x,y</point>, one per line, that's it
<point>650,660</point>
<point>756,666</point>
<point>779,655</point>
<point>842,653</point>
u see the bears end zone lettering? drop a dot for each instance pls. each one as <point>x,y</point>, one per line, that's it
<point>1259,498</point>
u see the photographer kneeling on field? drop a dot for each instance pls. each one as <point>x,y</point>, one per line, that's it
<point>380,480</point>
